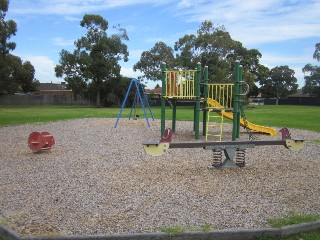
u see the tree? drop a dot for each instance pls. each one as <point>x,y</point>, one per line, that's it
<point>70,69</point>
<point>150,61</point>
<point>95,59</point>
<point>312,79</point>
<point>25,77</point>
<point>211,46</point>
<point>7,29</point>
<point>280,84</point>
<point>114,92</point>
<point>15,75</point>
<point>19,76</point>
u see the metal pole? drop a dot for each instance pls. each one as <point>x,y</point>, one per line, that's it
<point>174,115</point>
<point>133,104</point>
<point>141,101</point>
<point>205,96</point>
<point>197,106</point>
<point>163,100</point>
<point>240,99</point>
<point>146,100</point>
<point>223,144</point>
<point>123,103</point>
<point>236,123</point>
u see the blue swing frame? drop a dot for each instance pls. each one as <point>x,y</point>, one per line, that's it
<point>139,87</point>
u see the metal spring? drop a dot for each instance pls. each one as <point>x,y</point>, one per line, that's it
<point>240,157</point>
<point>217,157</point>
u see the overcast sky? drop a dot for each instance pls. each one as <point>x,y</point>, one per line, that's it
<point>285,32</point>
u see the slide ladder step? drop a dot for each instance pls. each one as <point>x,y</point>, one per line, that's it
<point>218,124</point>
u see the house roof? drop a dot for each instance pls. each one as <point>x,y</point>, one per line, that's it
<point>156,91</point>
<point>299,95</point>
<point>52,86</point>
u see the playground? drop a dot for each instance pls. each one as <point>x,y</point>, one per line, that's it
<point>95,176</point>
<point>97,179</point>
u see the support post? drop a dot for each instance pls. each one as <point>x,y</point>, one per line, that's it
<point>163,100</point>
<point>194,117</point>
<point>197,93</point>
<point>205,96</point>
<point>174,115</point>
<point>123,104</point>
<point>240,99</point>
<point>236,99</point>
<point>132,107</point>
<point>141,101</point>
<point>137,97</point>
<point>146,100</point>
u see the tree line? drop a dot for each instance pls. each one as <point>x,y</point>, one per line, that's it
<point>92,69</point>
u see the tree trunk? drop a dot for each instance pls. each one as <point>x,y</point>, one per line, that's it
<point>98,103</point>
<point>277,99</point>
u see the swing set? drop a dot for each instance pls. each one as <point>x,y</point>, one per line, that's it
<point>140,96</point>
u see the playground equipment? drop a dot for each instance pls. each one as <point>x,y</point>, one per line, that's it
<point>243,122</point>
<point>140,95</point>
<point>182,85</point>
<point>38,141</point>
<point>233,151</point>
<point>224,99</point>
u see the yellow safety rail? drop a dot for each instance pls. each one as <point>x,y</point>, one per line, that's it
<point>222,93</point>
<point>180,84</point>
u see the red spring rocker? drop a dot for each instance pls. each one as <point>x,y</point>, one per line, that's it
<point>40,141</point>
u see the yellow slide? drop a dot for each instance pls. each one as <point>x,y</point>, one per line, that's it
<point>271,131</point>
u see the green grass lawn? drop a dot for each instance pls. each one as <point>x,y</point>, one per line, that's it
<point>301,117</point>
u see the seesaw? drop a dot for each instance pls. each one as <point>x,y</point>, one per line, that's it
<point>234,151</point>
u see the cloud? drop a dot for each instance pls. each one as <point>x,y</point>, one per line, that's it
<point>128,72</point>
<point>255,21</point>
<point>295,62</point>
<point>134,55</point>
<point>44,67</point>
<point>70,7</point>
<point>72,19</point>
<point>299,75</point>
<point>154,40</point>
<point>251,22</point>
<point>274,33</point>
<point>185,3</point>
<point>272,59</point>
<point>169,39</point>
<point>62,42</point>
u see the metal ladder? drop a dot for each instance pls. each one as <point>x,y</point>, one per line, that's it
<point>213,124</point>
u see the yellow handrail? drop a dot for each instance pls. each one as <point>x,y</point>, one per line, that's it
<point>180,84</point>
<point>222,93</point>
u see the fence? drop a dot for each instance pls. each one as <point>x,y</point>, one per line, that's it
<point>42,100</point>
<point>294,101</point>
